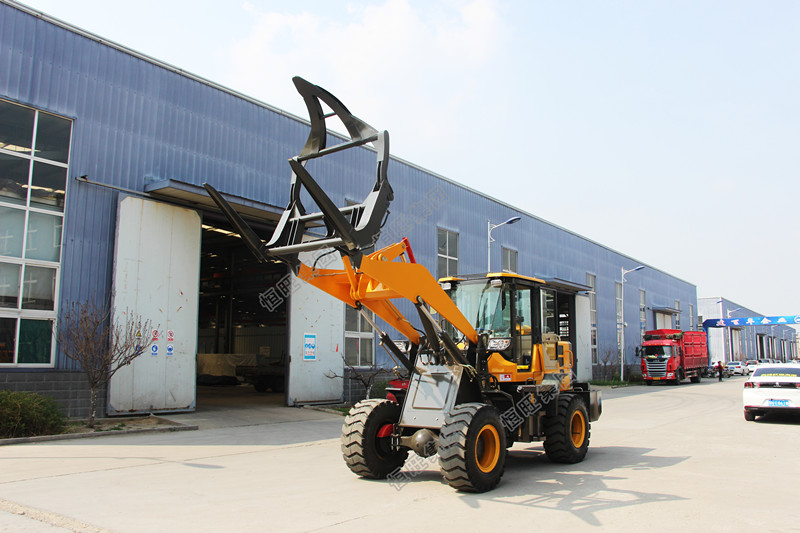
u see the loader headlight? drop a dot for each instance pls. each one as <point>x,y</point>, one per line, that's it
<point>498,344</point>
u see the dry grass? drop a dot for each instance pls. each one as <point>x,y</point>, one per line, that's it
<point>118,424</point>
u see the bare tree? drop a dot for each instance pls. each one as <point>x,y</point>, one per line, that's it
<point>86,335</point>
<point>366,377</point>
<point>609,359</point>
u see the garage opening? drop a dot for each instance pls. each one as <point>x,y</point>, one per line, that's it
<point>242,321</point>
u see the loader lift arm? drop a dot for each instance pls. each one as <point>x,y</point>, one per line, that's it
<point>367,280</point>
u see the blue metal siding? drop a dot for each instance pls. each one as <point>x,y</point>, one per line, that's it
<point>137,121</point>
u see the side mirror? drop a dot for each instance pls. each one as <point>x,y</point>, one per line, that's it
<point>638,351</point>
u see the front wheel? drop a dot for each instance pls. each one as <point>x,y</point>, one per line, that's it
<point>366,439</point>
<point>472,448</point>
<point>567,433</point>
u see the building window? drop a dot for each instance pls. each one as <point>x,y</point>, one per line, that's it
<point>677,315</point>
<point>359,339</point>
<point>691,317</point>
<point>447,253</point>
<point>34,150</point>
<point>642,313</point>
<point>509,260</point>
<point>591,281</point>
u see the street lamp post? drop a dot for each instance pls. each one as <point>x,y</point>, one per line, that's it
<point>622,318</point>
<point>727,349</point>
<point>732,350</point>
<point>489,240</point>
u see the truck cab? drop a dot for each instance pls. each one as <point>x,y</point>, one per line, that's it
<point>672,355</point>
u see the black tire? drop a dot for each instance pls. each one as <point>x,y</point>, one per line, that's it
<point>276,384</point>
<point>472,448</point>
<point>648,382</point>
<point>678,376</point>
<point>261,385</point>
<point>567,433</point>
<point>749,415</point>
<point>364,453</point>
<point>695,379</point>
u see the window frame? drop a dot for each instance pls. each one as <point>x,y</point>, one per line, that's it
<point>19,313</point>
<point>447,256</point>
<point>642,313</point>
<point>509,254</point>
<point>363,333</point>
<point>591,281</point>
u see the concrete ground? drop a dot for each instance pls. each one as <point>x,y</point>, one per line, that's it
<point>662,458</point>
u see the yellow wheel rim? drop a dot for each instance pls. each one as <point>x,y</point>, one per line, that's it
<point>577,428</point>
<point>487,448</point>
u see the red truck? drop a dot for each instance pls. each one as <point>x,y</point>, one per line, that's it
<point>673,355</point>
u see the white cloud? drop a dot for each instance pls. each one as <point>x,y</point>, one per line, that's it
<point>402,66</point>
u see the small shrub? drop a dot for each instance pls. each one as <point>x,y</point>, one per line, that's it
<point>378,389</point>
<point>26,414</point>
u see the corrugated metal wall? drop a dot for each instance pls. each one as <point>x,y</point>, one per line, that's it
<point>137,121</point>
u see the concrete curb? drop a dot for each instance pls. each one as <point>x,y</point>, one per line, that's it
<point>176,426</point>
<point>324,410</point>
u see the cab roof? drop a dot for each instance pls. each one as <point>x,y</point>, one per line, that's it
<point>555,283</point>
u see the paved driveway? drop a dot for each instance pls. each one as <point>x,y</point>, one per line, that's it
<point>662,458</point>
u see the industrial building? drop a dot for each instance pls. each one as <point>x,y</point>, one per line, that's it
<point>742,340</point>
<point>103,153</point>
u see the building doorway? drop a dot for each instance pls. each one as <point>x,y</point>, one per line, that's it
<point>242,318</point>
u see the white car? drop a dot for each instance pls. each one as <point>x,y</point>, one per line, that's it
<point>771,388</point>
<point>738,367</point>
<point>751,365</point>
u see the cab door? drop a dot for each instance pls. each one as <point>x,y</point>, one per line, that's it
<point>523,328</point>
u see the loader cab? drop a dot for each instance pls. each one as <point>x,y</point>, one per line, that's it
<point>510,311</point>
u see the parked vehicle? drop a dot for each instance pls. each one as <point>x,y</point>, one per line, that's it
<point>672,355</point>
<point>738,368</point>
<point>771,388</point>
<point>751,365</point>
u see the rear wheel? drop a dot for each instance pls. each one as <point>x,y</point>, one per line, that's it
<point>567,433</point>
<point>366,439</point>
<point>749,415</point>
<point>695,379</point>
<point>276,384</point>
<point>472,448</point>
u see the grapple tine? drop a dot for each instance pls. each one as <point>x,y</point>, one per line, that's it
<point>350,234</point>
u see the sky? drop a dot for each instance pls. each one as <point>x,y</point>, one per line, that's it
<point>667,130</point>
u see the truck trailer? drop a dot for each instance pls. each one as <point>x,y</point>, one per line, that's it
<point>672,355</point>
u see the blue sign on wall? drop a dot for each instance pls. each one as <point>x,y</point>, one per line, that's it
<point>789,320</point>
<point>309,347</point>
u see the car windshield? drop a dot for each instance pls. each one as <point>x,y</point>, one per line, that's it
<point>734,363</point>
<point>777,372</point>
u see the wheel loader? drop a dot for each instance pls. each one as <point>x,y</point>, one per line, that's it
<point>481,368</point>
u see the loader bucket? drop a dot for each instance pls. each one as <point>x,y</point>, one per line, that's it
<point>351,229</point>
